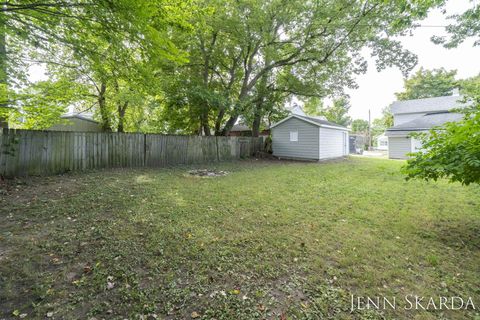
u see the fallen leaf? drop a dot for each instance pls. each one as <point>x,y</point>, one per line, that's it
<point>194,315</point>
<point>261,307</point>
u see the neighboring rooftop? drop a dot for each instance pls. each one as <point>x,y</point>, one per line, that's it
<point>298,110</point>
<point>426,122</point>
<point>82,116</point>
<point>240,127</point>
<point>444,103</point>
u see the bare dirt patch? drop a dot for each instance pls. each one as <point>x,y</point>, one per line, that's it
<point>207,173</point>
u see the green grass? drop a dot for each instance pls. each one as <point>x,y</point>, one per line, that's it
<point>275,240</point>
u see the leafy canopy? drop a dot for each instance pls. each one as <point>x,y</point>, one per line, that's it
<point>338,112</point>
<point>466,25</point>
<point>249,52</point>
<point>113,49</point>
<point>428,84</point>
<point>359,126</point>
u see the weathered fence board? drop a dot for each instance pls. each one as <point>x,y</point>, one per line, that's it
<point>30,152</point>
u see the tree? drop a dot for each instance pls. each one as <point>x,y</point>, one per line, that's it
<point>428,84</point>
<point>313,106</point>
<point>338,112</point>
<point>114,48</point>
<point>306,49</point>
<point>467,25</point>
<point>359,126</point>
<point>452,152</point>
<point>379,125</point>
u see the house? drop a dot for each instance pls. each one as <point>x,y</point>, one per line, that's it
<point>382,142</point>
<point>240,130</point>
<point>312,138</point>
<point>77,122</point>
<point>419,115</point>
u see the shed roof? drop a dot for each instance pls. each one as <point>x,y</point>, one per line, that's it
<point>316,121</point>
<point>444,103</point>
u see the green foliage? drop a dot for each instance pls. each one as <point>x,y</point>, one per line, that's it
<point>114,50</point>
<point>338,112</point>
<point>249,53</point>
<point>428,84</point>
<point>44,102</point>
<point>467,25</point>
<point>359,126</point>
<point>379,125</point>
<point>192,67</point>
<point>451,152</point>
<point>313,106</point>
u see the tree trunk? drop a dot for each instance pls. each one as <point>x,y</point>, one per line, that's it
<point>229,125</point>
<point>256,123</point>
<point>106,126</point>
<point>218,122</point>
<point>259,105</point>
<point>3,75</point>
<point>121,116</point>
<point>204,124</point>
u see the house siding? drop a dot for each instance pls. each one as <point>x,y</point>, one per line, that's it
<point>398,147</point>
<point>332,143</point>
<point>305,148</point>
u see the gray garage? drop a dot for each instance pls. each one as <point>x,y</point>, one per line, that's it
<point>303,137</point>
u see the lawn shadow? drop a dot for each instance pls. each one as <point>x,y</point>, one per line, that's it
<point>463,234</point>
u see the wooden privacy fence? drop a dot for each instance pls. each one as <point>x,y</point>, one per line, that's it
<point>29,152</point>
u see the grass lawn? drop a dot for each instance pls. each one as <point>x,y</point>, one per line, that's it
<point>280,240</point>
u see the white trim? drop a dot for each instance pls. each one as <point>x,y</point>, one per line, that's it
<point>309,121</point>
<point>319,143</point>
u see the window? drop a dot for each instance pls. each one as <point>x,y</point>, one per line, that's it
<point>293,135</point>
<point>383,143</point>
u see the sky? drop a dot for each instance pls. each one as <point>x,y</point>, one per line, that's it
<point>377,89</point>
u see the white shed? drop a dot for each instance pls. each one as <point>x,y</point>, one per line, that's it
<point>302,137</point>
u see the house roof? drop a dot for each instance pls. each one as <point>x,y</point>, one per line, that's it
<point>240,127</point>
<point>313,120</point>
<point>444,103</point>
<point>426,122</point>
<point>78,116</point>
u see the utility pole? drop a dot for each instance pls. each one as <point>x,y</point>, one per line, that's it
<point>369,131</point>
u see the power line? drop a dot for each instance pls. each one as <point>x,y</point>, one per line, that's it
<point>430,26</point>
